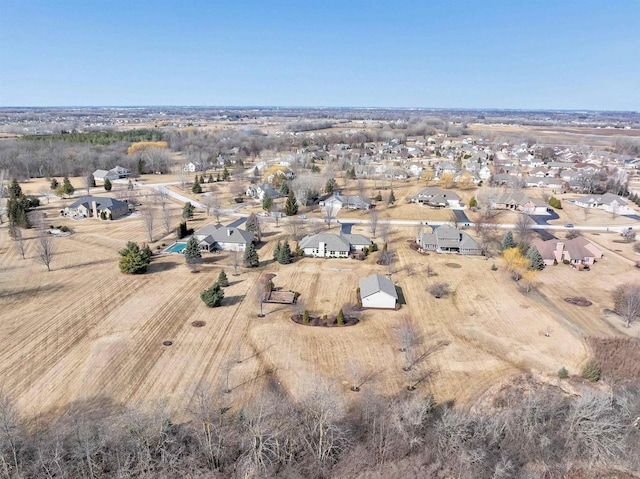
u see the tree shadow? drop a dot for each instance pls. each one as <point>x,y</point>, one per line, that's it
<point>30,292</point>
<point>401,298</point>
<point>232,300</point>
<point>160,267</point>
<point>88,263</point>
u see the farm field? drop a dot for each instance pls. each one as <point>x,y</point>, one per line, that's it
<point>86,333</point>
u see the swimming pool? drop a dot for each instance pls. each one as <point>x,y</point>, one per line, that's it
<point>176,248</point>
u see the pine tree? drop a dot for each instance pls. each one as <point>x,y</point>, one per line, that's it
<point>253,226</point>
<point>340,317</point>
<point>284,188</point>
<point>67,187</point>
<point>54,184</point>
<point>107,184</point>
<point>291,206</point>
<point>201,179</point>
<point>473,202</point>
<point>256,171</point>
<point>276,251</point>
<point>305,317</point>
<point>225,174</point>
<point>284,256</point>
<point>197,189</point>
<point>133,259</point>
<point>391,199</point>
<point>222,279</point>
<point>187,211</point>
<point>535,259</point>
<point>17,207</point>
<point>378,196</point>
<point>213,296</point>
<point>251,259</point>
<point>192,255</point>
<point>267,203</point>
<point>330,185</point>
<point>507,241</point>
<point>218,177</point>
<point>210,180</point>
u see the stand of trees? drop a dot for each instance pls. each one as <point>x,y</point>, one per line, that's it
<point>134,259</point>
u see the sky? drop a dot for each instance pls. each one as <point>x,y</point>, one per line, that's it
<point>534,54</point>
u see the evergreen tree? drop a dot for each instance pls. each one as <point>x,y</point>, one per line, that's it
<point>256,171</point>
<point>507,241</point>
<point>330,185</point>
<point>340,317</point>
<point>107,185</point>
<point>253,226</point>
<point>192,255</point>
<point>391,199</point>
<point>251,259</point>
<point>133,259</point>
<point>267,203</point>
<point>473,202</point>
<point>197,189</point>
<point>66,189</point>
<point>218,177</point>
<point>210,180</point>
<point>305,317</point>
<point>187,211</point>
<point>54,184</point>
<point>351,174</point>
<point>225,174</point>
<point>91,181</point>
<point>291,206</point>
<point>18,206</point>
<point>201,179</point>
<point>535,259</point>
<point>276,251</point>
<point>213,296</point>
<point>284,188</point>
<point>378,197</point>
<point>222,279</point>
<point>284,254</point>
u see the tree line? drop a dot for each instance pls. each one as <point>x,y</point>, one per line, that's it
<point>540,434</point>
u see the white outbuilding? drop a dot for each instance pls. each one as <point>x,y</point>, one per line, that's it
<point>378,292</point>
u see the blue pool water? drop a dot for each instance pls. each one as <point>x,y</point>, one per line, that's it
<point>176,248</point>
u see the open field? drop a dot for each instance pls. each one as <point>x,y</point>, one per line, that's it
<point>86,332</point>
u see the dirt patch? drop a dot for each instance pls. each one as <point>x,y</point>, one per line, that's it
<point>578,301</point>
<point>198,324</point>
<point>618,358</point>
<point>453,265</point>
<point>325,321</point>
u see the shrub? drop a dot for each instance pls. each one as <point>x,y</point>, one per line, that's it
<point>563,373</point>
<point>64,229</point>
<point>591,372</point>
<point>439,290</point>
<point>566,261</point>
<point>133,259</point>
<point>305,317</point>
<point>213,296</point>
<point>494,267</point>
<point>340,317</point>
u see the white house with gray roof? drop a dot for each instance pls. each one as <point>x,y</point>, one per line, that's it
<point>447,239</point>
<point>348,202</point>
<point>607,202</point>
<point>217,237</point>
<point>115,173</point>
<point>331,245</point>
<point>378,292</point>
<point>437,197</point>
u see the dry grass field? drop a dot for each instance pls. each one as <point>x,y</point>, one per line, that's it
<point>86,332</point>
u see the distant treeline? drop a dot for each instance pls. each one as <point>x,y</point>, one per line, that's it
<point>102,137</point>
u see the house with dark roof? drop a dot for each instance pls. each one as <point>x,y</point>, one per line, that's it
<point>447,239</point>
<point>96,207</point>
<point>216,237</point>
<point>437,198</point>
<point>331,245</point>
<point>578,250</point>
<point>378,292</point>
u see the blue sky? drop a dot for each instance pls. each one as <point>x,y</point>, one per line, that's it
<point>459,54</point>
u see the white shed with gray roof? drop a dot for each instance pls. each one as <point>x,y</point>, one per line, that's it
<point>378,292</point>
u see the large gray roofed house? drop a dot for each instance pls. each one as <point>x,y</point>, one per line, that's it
<point>333,241</point>
<point>376,283</point>
<point>449,239</point>
<point>101,202</point>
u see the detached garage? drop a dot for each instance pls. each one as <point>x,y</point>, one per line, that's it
<point>378,292</point>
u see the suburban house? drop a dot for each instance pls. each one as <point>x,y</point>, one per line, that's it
<point>577,251</point>
<point>518,201</point>
<point>349,202</point>
<point>437,197</point>
<point>378,292</point>
<point>607,202</point>
<point>447,239</point>
<point>114,173</point>
<point>260,191</point>
<point>96,207</point>
<point>283,173</point>
<point>543,182</point>
<point>226,238</point>
<point>192,167</point>
<point>331,245</point>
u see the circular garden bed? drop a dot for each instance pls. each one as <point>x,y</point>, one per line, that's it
<point>578,301</point>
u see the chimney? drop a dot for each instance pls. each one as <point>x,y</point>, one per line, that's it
<point>229,232</point>
<point>94,208</point>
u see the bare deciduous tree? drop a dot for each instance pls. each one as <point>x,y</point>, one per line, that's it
<point>45,249</point>
<point>167,215</point>
<point>234,261</point>
<point>439,290</point>
<point>626,299</point>
<point>329,211</point>
<point>373,221</point>
<point>523,228</point>
<point>148,217</point>
<point>20,244</point>
<point>46,192</point>
<point>296,228</point>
